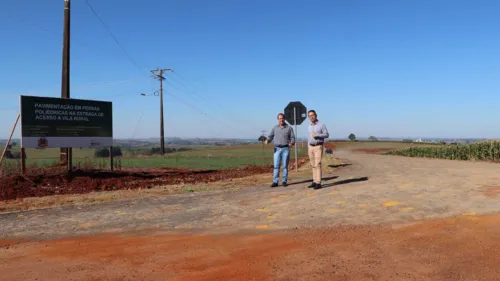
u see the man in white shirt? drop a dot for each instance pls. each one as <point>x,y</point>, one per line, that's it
<point>317,135</point>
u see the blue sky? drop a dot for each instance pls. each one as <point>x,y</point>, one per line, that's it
<point>384,68</point>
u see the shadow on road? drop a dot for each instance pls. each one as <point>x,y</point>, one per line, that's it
<point>344,182</point>
<point>339,165</point>
<point>306,181</point>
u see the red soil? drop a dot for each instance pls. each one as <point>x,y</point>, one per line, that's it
<point>55,181</point>
<point>445,250</point>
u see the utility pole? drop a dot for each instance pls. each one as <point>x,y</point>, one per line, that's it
<point>160,77</point>
<point>66,152</point>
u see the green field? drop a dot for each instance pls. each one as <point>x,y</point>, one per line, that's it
<point>379,144</point>
<point>200,157</point>
<point>484,151</point>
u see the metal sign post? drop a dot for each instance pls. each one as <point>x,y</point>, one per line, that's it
<point>296,157</point>
<point>295,114</point>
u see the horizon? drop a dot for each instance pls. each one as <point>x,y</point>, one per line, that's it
<point>400,70</point>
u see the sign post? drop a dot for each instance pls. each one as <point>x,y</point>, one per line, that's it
<point>295,114</point>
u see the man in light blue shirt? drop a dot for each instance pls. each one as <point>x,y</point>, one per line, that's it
<point>316,138</point>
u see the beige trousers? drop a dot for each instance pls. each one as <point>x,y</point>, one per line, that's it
<point>315,156</point>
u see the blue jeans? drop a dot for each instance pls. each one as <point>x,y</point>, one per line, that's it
<point>281,156</point>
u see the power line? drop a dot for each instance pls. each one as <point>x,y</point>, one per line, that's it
<point>206,114</point>
<point>141,70</point>
<point>208,99</point>
<point>113,36</point>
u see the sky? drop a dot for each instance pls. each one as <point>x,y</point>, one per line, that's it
<point>427,68</point>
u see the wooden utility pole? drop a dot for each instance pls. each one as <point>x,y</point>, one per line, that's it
<point>160,77</point>
<point>66,152</point>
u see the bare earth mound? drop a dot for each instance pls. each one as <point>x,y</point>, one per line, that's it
<point>53,182</point>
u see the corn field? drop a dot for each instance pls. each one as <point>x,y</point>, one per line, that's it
<point>484,151</point>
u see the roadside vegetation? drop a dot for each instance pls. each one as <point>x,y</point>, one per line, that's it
<point>483,151</point>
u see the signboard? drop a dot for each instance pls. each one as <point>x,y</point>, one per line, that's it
<point>56,122</point>
<point>300,112</point>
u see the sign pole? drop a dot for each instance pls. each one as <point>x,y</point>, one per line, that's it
<point>111,166</point>
<point>8,141</point>
<point>295,123</point>
<point>23,161</point>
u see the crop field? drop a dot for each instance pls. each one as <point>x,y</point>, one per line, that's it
<point>378,147</point>
<point>484,151</point>
<point>200,164</point>
<point>198,157</point>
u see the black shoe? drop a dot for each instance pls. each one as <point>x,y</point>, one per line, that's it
<point>284,184</point>
<point>318,186</point>
<point>274,184</point>
<point>313,185</point>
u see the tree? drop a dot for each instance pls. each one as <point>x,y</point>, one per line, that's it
<point>372,138</point>
<point>352,137</point>
<point>104,152</point>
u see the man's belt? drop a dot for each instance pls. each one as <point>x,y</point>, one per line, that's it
<point>319,143</point>
<point>282,146</point>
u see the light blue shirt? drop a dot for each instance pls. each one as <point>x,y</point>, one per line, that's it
<point>321,133</point>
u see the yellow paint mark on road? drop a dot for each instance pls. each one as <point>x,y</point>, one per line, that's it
<point>391,203</point>
<point>291,217</point>
<point>334,210</point>
<point>419,196</point>
<point>468,214</point>
<point>262,210</point>
<point>472,218</point>
<point>264,226</point>
<point>405,186</point>
<point>333,192</point>
<point>214,212</point>
<point>271,217</point>
<point>363,205</point>
<point>85,225</point>
<point>406,209</point>
<point>340,202</point>
<point>310,194</point>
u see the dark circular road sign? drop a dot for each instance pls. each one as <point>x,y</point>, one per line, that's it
<point>300,113</point>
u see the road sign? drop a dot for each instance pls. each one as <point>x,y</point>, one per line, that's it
<point>55,122</point>
<point>295,110</point>
<point>295,114</point>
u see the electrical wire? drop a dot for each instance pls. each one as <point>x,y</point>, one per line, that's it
<point>208,99</point>
<point>113,36</point>
<point>141,70</point>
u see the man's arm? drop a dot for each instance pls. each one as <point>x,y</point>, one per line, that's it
<point>324,132</point>
<point>270,137</point>
<point>292,137</point>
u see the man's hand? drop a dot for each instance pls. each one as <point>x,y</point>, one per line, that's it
<point>314,134</point>
<point>266,142</point>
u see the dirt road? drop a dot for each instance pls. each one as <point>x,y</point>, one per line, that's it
<point>365,224</point>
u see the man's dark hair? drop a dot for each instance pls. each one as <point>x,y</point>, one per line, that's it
<point>281,115</point>
<point>313,111</point>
